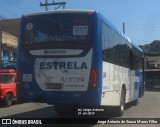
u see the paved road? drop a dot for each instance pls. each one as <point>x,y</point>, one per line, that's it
<point>28,110</point>
<point>148,107</point>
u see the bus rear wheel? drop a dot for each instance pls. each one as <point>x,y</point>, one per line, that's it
<point>121,108</point>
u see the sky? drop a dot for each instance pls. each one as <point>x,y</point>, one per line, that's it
<point>141,17</point>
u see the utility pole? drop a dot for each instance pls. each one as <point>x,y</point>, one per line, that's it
<point>123,28</point>
<point>46,4</point>
<point>1,47</point>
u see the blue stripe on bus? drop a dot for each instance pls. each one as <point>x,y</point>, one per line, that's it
<point>137,84</point>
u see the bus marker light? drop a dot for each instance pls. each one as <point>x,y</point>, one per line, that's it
<point>90,13</point>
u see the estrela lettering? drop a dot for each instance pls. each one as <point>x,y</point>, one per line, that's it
<point>63,65</point>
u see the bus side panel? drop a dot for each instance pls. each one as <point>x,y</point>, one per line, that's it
<point>138,84</point>
<point>97,54</point>
<point>114,77</point>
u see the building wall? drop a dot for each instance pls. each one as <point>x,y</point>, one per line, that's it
<point>152,79</point>
<point>9,39</point>
<point>153,61</point>
<point>152,72</point>
<point>9,49</point>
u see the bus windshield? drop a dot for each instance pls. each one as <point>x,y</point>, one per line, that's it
<point>55,28</point>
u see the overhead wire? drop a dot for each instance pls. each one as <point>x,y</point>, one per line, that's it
<point>9,11</point>
<point>129,26</point>
<point>140,26</point>
<point>133,28</point>
<point>12,31</point>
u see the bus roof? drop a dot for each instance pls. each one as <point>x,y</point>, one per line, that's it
<point>87,11</point>
<point>61,11</point>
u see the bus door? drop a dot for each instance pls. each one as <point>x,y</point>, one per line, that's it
<point>131,75</point>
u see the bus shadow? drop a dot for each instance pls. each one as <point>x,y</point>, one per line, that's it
<point>2,104</point>
<point>49,112</point>
<point>130,105</point>
<point>153,90</point>
<point>50,115</point>
<point>57,119</point>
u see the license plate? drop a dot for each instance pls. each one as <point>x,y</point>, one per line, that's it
<point>53,85</point>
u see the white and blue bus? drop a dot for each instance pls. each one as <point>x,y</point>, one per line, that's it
<point>77,57</point>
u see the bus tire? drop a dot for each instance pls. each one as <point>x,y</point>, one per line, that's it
<point>121,108</point>
<point>8,99</point>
